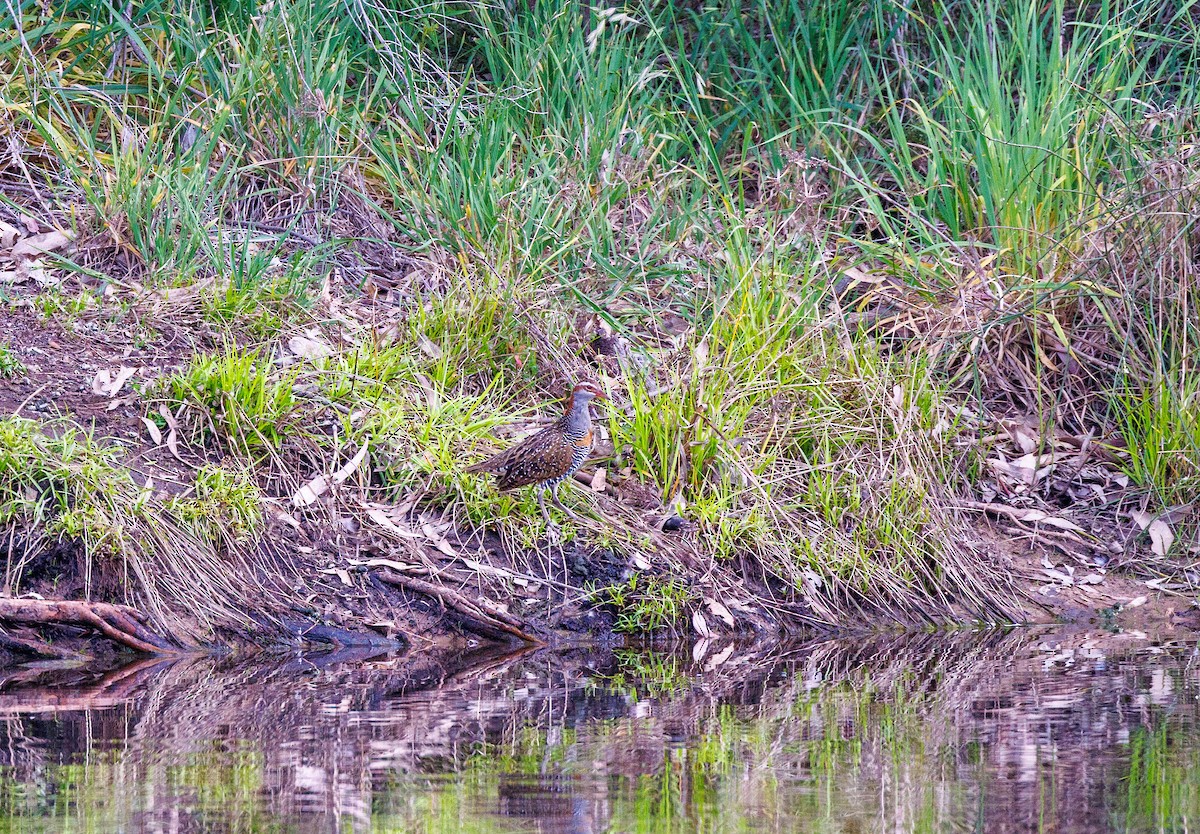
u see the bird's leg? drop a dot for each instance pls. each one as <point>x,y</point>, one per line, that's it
<point>552,533</point>
<point>559,504</point>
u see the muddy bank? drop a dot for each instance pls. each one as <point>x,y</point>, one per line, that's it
<point>375,576</point>
<point>487,603</point>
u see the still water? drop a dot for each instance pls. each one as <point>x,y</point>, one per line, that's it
<point>1057,731</point>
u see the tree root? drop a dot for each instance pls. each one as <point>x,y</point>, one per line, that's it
<point>34,647</point>
<point>118,623</point>
<point>481,611</point>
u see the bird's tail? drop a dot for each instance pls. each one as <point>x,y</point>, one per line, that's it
<point>484,466</point>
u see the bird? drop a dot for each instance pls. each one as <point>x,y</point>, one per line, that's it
<point>551,456</point>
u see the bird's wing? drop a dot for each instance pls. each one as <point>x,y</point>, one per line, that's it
<point>544,456</point>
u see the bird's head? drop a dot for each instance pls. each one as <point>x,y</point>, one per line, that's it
<point>584,393</point>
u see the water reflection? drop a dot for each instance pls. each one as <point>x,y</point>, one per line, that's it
<point>996,732</point>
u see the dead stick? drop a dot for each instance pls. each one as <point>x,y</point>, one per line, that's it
<point>485,605</point>
<point>477,610</point>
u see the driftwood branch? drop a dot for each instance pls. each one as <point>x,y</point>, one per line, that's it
<point>480,610</point>
<point>118,623</point>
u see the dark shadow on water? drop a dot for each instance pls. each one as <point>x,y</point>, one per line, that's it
<point>988,731</point>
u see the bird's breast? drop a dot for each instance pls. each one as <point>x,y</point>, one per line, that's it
<point>584,441</point>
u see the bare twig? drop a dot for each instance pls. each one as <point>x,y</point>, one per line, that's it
<point>481,610</point>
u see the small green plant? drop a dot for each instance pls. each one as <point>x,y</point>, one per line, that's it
<point>647,604</point>
<point>260,291</point>
<point>241,396</point>
<point>10,365</point>
<point>68,485</point>
<point>1160,425</point>
<point>221,503</point>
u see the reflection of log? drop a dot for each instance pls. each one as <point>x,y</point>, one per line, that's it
<point>113,689</point>
<point>480,611</point>
<point>118,623</point>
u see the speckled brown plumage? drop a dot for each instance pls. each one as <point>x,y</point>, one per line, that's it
<point>540,458</point>
<point>552,455</point>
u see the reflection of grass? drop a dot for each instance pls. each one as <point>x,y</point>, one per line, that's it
<point>646,673</point>
<point>857,739</point>
<point>216,786</point>
<point>1163,785</point>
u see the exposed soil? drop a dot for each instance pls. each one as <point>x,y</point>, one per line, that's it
<point>1119,601</point>
<point>61,365</point>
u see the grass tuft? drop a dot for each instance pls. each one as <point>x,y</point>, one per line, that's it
<point>647,605</point>
<point>240,399</point>
<point>11,367</point>
<point>67,488</point>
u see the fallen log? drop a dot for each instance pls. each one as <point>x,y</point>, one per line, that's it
<point>118,623</point>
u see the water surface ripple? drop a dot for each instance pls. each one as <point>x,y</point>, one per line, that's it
<point>1056,731</point>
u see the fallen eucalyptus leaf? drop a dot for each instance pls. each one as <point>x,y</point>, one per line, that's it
<point>380,518</point>
<point>153,430</point>
<point>720,612</point>
<point>35,245</point>
<point>1161,537</point>
<point>1039,517</point>
<point>309,348</point>
<point>399,567</point>
<point>121,378</point>
<point>8,235</point>
<point>340,573</point>
<point>350,468</point>
<point>429,348</point>
<point>311,491</point>
<point>101,381</point>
